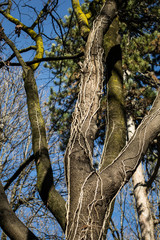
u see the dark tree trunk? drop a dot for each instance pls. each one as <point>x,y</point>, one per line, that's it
<point>9,222</point>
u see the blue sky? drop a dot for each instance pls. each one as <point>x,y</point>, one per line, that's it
<point>27,15</point>
<point>43,75</point>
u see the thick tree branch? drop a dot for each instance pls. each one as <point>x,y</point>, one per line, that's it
<point>91,193</point>
<point>78,158</point>
<point>26,29</point>
<point>9,222</point>
<point>126,163</point>
<point>116,126</point>
<point>111,179</point>
<point>51,198</point>
<point>81,18</point>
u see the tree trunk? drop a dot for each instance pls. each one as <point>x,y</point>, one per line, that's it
<point>90,192</point>
<point>45,184</point>
<point>116,123</point>
<point>140,194</point>
<point>82,217</point>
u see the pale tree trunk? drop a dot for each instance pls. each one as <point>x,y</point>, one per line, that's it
<point>3,236</point>
<point>140,194</point>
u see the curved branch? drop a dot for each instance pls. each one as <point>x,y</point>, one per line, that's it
<point>36,37</point>
<point>51,198</point>
<point>15,50</point>
<point>9,222</point>
<point>26,29</point>
<point>45,184</point>
<point>20,51</point>
<point>3,4</point>
<point>126,163</point>
<point>81,18</point>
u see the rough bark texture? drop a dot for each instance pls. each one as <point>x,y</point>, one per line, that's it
<point>78,159</point>
<point>91,193</point>
<point>140,193</point>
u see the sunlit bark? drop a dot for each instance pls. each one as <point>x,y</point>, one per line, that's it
<point>140,193</point>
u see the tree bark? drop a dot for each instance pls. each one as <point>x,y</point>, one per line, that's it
<point>91,193</point>
<point>51,198</point>
<point>78,158</point>
<point>140,194</point>
<point>115,123</point>
<point>9,222</point>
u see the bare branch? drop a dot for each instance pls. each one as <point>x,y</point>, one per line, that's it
<point>9,6</point>
<point>42,12</point>
<point>20,51</point>
<point>19,170</point>
<point>15,50</point>
<point>45,59</point>
<point>3,4</point>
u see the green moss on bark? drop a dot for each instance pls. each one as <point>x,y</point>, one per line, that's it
<point>116,126</point>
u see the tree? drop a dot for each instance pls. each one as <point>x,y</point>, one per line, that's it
<point>17,161</point>
<point>142,202</point>
<point>91,192</point>
<point>116,116</point>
